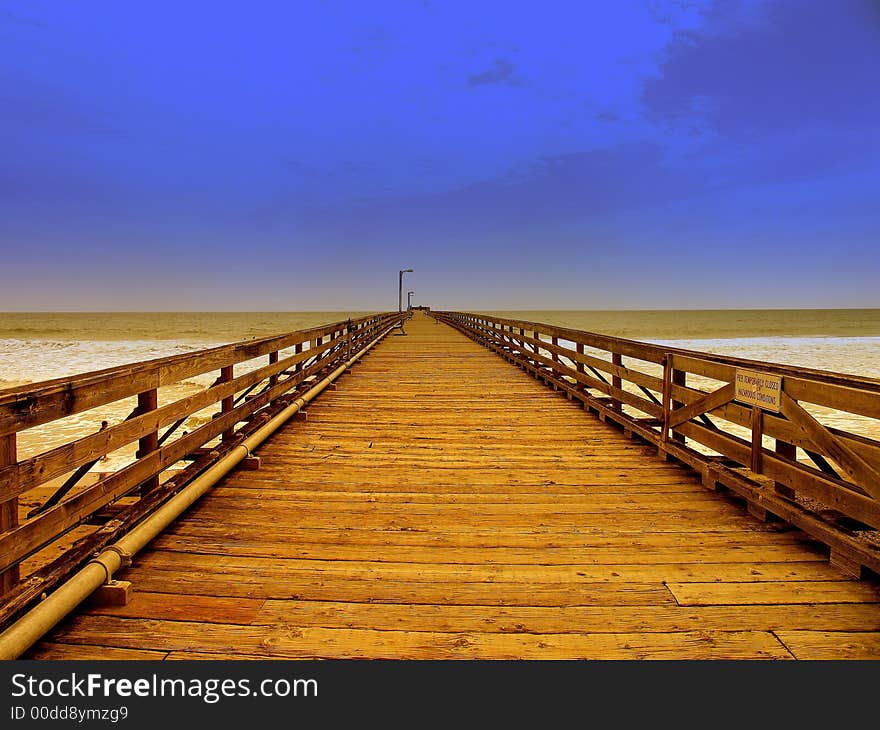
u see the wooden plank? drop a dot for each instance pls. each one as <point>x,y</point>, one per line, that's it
<point>815,645</point>
<point>580,619</point>
<point>361,643</point>
<point>729,519</point>
<point>544,544</point>
<point>237,543</point>
<point>313,587</point>
<point>612,571</point>
<point>739,594</point>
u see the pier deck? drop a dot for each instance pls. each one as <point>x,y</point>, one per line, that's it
<point>443,504</point>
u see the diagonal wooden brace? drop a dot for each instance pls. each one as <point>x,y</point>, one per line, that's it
<point>710,402</point>
<point>854,466</point>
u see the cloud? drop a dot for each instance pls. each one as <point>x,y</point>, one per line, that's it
<point>502,72</point>
<point>551,190</point>
<point>779,66</point>
<point>776,95</point>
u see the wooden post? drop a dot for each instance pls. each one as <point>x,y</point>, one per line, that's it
<point>273,358</point>
<point>8,511</point>
<point>757,439</point>
<point>227,404</point>
<point>148,401</point>
<point>788,451</point>
<point>616,380</point>
<point>579,347</point>
<point>298,348</point>
<point>667,368</point>
<point>679,377</point>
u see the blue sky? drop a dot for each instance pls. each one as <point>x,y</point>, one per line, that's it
<point>284,156</point>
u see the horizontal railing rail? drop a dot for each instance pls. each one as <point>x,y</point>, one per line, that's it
<point>293,361</point>
<point>797,443</point>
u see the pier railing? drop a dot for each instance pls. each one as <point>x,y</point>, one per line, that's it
<point>242,401</point>
<point>796,443</point>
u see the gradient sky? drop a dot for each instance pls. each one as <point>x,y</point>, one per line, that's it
<point>518,155</point>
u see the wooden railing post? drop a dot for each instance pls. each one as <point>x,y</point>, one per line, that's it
<point>8,511</point>
<point>227,404</point>
<point>146,402</point>
<point>788,451</point>
<point>581,368</point>
<point>666,400</point>
<point>616,380</point>
<point>757,439</point>
<point>273,359</point>
<point>679,377</point>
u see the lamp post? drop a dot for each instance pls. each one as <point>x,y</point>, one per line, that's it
<point>400,288</point>
<point>409,299</point>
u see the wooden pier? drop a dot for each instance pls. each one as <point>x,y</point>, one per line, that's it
<point>435,501</point>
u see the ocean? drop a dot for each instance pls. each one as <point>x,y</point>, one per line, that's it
<point>41,346</point>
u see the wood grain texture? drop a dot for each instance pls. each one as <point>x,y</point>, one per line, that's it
<point>442,504</point>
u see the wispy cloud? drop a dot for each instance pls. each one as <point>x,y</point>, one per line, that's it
<point>8,17</point>
<point>501,72</point>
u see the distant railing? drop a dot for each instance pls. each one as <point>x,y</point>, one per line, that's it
<point>245,401</point>
<point>754,427</point>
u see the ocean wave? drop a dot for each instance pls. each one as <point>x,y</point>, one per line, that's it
<point>30,361</point>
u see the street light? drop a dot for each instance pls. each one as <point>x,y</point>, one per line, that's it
<point>409,299</point>
<point>400,288</point>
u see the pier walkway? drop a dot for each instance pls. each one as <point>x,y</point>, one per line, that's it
<point>441,503</point>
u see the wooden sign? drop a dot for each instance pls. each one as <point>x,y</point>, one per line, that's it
<point>758,389</point>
